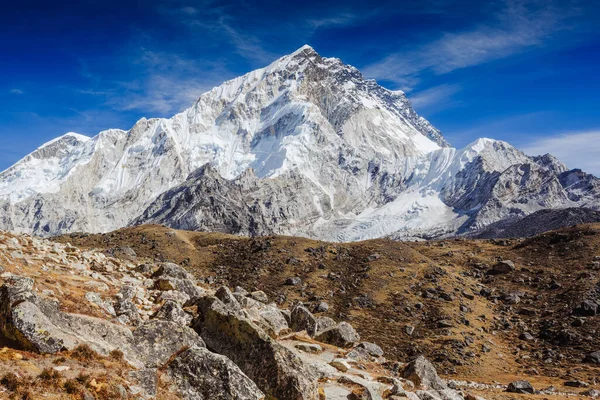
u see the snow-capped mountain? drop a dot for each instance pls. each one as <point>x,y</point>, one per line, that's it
<point>305,146</point>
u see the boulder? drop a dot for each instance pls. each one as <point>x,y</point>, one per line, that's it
<point>593,357</point>
<point>225,295</point>
<point>259,295</point>
<point>156,341</point>
<point>586,308</point>
<point>275,320</point>
<point>422,373</point>
<point>522,387</point>
<point>341,335</point>
<point>170,270</point>
<point>371,348</point>
<point>172,311</point>
<point>276,370</point>
<point>303,320</point>
<point>502,267</point>
<point>325,323</point>
<point>293,281</point>
<point>125,308</point>
<point>198,374</point>
<point>186,286</point>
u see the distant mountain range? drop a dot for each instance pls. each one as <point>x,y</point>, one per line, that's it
<point>305,146</point>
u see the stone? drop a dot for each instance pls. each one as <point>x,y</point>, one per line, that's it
<point>172,311</point>
<point>186,286</point>
<point>340,364</point>
<point>422,373</point>
<point>303,320</point>
<point>341,335</point>
<point>321,307</point>
<point>95,299</point>
<point>526,336</point>
<point>586,308</point>
<point>577,383</point>
<point>324,323</point>
<point>173,295</point>
<point>146,378</point>
<point>293,281</point>
<point>259,295</point>
<point>409,329</point>
<point>309,347</point>
<point>225,295</point>
<point>593,357</point>
<point>30,323</point>
<point>156,341</point>
<point>275,320</point>
<point>371,348</point>
<point>502,267</point>
<point>522,387</point>
<point>593,393</point>
<point>199,374</point>
<point>276,370</point>
<point>125,307</point>
<point>171,270</point>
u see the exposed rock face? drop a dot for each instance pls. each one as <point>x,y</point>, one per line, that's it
<point>305,146</point>
<point>277,371</point>
<point>199,374</point>
<point>30,323</point>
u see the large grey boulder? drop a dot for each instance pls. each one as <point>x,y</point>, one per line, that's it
<point>303,320</point>
<point>423,374</point>
<point>274,318</point>
<point>156,341</point>
<point>341,335</point>
<point>199,374</point>
<point>277,371</point>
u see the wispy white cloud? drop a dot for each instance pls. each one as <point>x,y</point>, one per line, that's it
<point>522,24</point>
<point>157,82</point>
<point>435,98</point>
<point>575,149</point>
<point>17,91</point>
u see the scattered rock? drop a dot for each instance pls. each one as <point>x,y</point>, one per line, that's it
<point>522,387</point>
<point>422,373</point>
<point>341,335</point>
<point>502,267</point>
<point>293,281</point>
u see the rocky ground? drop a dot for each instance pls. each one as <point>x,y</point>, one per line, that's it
<point>485,312</point>
<point>84,324</point>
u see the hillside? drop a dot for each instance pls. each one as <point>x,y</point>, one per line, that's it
<point>442,299</point>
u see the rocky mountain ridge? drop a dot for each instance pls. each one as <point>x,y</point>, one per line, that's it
<point>305,146</point>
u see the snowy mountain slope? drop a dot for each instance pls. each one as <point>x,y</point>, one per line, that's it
<point>304,146</point>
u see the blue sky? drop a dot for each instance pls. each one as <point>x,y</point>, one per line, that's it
<point>525,71</point>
